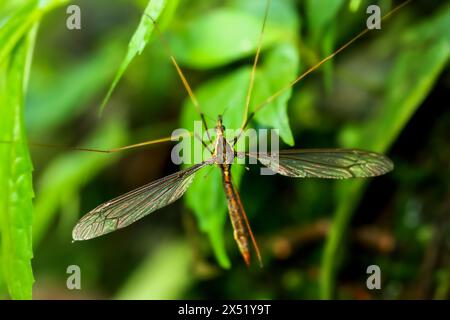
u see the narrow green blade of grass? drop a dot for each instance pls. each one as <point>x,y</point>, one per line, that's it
<point>138,41</point>
<point>15,26</point>
<point>420,60</point>
<point>16,190</point>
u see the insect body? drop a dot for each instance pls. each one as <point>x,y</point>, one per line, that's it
<point>320,163</point>
<point>224,155</point>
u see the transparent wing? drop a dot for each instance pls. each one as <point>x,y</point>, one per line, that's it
<point>326,163</point>
<point>132,206</point>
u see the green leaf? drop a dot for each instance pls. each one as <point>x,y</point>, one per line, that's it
<point>319,13</point>
<point>419,61</point>
<point>68,173</point>
<point>16,190</point>
<point>139,40</point>
<point>228,34</point>
<point>226,95</point>
<point>280,68</point>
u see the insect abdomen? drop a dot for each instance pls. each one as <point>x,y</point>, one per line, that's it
<point>234,209</point>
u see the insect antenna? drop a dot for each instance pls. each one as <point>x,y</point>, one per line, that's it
<point>225,110</point>
<point>255,63</point>
<point>314,67</point>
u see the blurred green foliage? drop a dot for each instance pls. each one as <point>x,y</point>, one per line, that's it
<point>383,93</point>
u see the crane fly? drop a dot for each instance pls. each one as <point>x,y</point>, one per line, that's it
<point>298,163</point>
<point>316,163</point>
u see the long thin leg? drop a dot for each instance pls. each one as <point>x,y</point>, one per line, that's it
<point>204,144</point>
<point>182,76</point>
<point>132,146</point>
<point>311,69</point>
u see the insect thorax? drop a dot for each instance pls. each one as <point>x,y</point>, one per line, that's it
<point>224,151</point>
